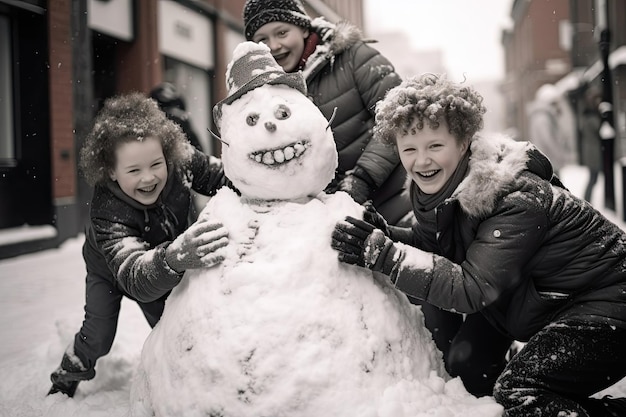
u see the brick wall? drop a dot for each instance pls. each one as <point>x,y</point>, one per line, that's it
<point>61,103</point>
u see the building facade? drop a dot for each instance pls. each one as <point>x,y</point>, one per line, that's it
<point>59,61</point>
<point>558,42</point>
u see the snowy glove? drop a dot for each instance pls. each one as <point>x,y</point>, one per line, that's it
<point>360,243</point>
<point>358,184</point>
<point>198,247</point>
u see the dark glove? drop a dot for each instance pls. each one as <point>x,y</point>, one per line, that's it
<point>358,184</point>
<point>396,233</point>
<point>374,218</point>
<point>198,247</point>
<point>360,243</point>
<point>332,187</point>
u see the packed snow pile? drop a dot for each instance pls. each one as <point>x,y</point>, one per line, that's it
<point>281,327</point>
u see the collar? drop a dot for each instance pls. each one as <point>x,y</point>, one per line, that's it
<point>309,47</point>
<point>495,165</point>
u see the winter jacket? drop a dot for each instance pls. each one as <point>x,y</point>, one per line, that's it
<point>346,73</point>
<point>517,248</point>
<point>126,241</point>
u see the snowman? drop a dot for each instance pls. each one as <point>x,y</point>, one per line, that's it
<point>281,327</point>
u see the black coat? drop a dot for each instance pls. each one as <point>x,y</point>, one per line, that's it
<point>126,240</point>
<point>591,143</point>
<point>346,73</point>
<point>517,248</point>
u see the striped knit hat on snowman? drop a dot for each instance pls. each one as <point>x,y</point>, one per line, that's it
<point>253,66</point>
<point>257,13</point>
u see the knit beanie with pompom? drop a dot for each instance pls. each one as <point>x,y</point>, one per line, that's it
<point>257,13</point>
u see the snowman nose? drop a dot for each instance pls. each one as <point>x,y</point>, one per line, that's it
<point>270,126</point>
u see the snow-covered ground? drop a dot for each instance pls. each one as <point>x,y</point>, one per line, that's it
<point>41,307</point>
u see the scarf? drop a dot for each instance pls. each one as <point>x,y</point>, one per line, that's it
<point>424,204</point>
<point>309,47</point>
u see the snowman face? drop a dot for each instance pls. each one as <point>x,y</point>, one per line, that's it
<point>279,147</point>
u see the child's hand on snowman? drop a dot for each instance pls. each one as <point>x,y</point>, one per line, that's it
<point>358,184</point>
<point>200,246</point>
<point>360,243</point>
<point>373,217</point>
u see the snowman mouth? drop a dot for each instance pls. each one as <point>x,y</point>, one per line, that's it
<point>279,156</point>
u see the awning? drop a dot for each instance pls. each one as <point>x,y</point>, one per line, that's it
<point>616,58</point>
<point>580,76</point>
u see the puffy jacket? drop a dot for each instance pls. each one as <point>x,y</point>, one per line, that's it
<point>126,241</point>
<point>346,73</point>
<point>518,248</point>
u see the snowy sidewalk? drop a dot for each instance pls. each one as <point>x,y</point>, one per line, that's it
<point>41,308</point>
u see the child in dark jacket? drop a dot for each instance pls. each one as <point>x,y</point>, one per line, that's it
<point>138,243</point>
<point>499,240</point>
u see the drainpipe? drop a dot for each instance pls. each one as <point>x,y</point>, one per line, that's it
<point>607,129</point>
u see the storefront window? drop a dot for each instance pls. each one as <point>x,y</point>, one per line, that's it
<point>193,84</point>
<point>7,140</point>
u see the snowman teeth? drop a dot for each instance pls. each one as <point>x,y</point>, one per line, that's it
<point>280,155</point>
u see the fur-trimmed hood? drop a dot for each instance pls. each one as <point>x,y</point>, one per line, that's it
<point>494,169</point>
<point>334,39</point>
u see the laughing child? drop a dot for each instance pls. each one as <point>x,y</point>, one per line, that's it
<point>138,241</point>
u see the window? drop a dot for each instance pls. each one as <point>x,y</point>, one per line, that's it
<point>193,84</point>
<point>7,136</point>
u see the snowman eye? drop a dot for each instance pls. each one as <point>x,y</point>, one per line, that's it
<point>252,119</point>
<point>282,112</point>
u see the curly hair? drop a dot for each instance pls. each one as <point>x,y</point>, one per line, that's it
<point>125,118</point>
<point>428,99</point>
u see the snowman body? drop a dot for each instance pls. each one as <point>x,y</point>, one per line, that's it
<point>279,329</point>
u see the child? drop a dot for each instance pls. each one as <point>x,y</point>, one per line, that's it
<point>345,74</point>
<point>499,239</point>
<point>137,241</point>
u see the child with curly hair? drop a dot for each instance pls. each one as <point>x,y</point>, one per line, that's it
<point>501,251</point>
<point>138,243</point>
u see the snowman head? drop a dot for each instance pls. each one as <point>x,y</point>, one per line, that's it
<point>277,144</point>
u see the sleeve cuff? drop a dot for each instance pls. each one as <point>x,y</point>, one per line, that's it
<point>388,259</point>
<point>362,174</point>
<point>413,280</point>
